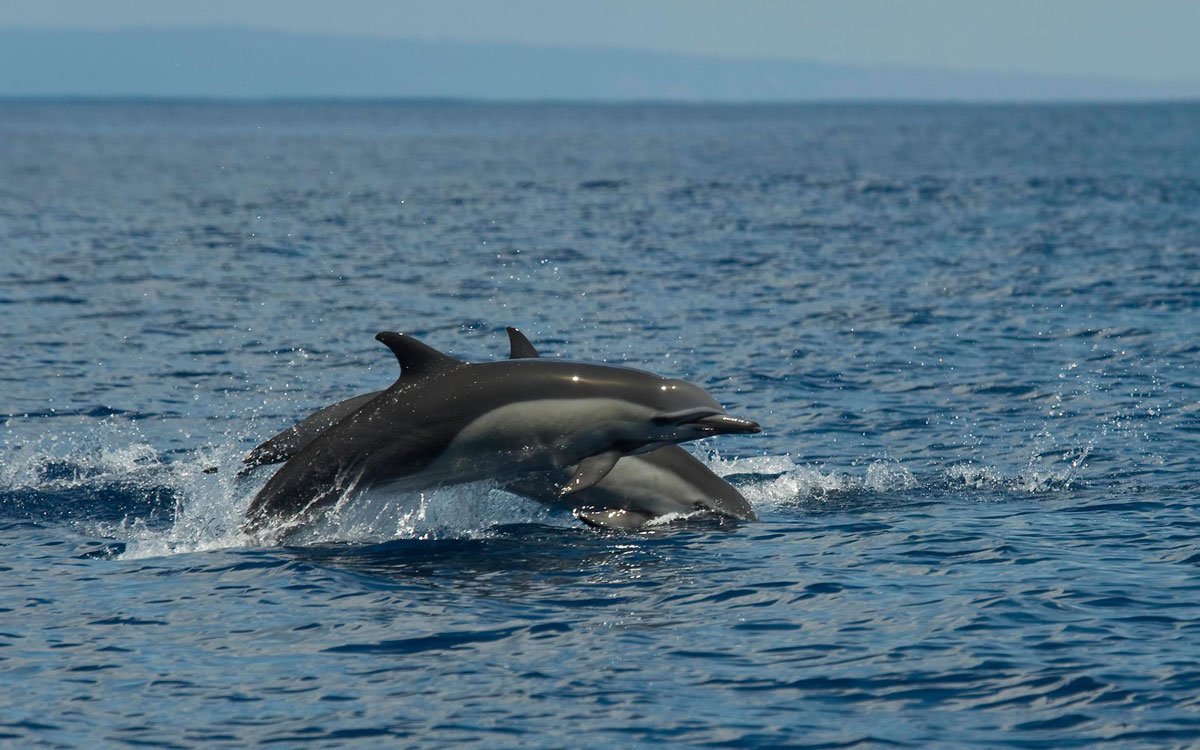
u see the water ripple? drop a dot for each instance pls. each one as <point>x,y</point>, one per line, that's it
<point>975,367</point>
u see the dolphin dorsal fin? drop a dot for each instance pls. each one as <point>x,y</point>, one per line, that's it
<point>519,346</point>
<point>417,360</point>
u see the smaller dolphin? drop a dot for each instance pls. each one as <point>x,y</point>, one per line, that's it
<point>445,421</point>
<point>639,488</point>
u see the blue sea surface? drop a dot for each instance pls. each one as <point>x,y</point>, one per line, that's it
<point>971,334</point>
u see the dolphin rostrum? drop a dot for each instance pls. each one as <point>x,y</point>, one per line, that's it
<point>445,421</point>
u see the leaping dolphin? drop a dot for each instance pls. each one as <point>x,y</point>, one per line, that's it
<point>639,487</point>
<point>445,421</point>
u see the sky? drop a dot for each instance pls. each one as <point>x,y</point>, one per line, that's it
<point>1153,40</point>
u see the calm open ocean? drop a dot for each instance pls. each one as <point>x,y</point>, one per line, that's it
<point>971,335</point>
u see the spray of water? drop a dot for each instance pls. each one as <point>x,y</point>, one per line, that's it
<point>155,506</point>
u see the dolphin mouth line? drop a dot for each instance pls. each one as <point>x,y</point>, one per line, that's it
<point>723,424</point>
<point>710,421</point>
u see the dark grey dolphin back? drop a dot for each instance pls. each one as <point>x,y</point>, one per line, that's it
<point>292,440</point>
<point>414,358</point>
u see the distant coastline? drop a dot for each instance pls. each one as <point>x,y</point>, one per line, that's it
<point>241,64</point>
<point>467,102</point>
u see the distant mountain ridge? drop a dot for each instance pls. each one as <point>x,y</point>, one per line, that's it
<point>234,62</point>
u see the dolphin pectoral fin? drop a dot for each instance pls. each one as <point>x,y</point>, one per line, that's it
<point>590,471</point>
<point>613,518</point>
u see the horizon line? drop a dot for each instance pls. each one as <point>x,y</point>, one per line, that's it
<point>710,56</point>
<point>452,101</point>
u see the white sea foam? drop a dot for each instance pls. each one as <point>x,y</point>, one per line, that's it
<point>778,481</point>
<point>210,507</point>
<point>108,451</point>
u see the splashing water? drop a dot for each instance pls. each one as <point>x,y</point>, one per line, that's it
<point>172,507</point>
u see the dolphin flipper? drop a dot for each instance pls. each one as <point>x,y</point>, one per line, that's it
<point>590,471</point>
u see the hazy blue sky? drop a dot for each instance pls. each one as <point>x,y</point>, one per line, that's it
<point>1149,39</point>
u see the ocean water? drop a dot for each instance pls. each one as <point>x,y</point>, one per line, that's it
<point>971,334</point>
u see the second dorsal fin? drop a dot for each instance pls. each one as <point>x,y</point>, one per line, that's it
<point>519,346</point>
<point>417,360</point>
